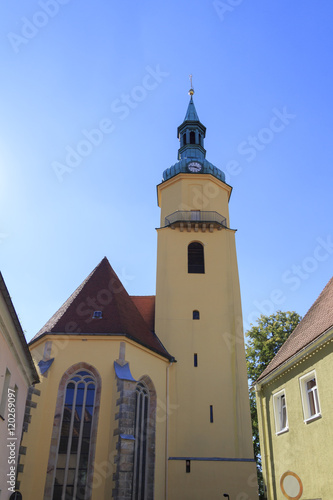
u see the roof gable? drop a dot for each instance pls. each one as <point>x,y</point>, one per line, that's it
<point>102,291</point>
<point>317,321</point>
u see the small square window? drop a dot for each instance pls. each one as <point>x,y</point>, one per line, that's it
<point>97,315</point>
<point>280,412</point>
<point>196,315</point>
<point>310,396</point>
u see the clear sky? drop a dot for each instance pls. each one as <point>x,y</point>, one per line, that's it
<point>263,79</point>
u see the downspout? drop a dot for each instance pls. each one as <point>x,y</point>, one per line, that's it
<point>167,431</point>
<point>265,455</point>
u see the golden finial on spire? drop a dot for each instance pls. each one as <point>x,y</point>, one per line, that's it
<point>191,91</point>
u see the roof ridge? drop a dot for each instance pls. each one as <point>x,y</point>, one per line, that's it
<point>301,330</point>
<point>64,307</point>
<point>103,291</point>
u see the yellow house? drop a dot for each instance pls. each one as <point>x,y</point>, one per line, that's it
<point>17,374</point>
<point>146,397</point>
<point>295,409</point>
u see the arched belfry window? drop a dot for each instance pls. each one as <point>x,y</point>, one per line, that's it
<point>195,256</point>
<point>184,139</point>
<point>192,137</point>
<point>71,460</point>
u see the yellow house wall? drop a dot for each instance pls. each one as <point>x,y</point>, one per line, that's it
<point>306,448</point>
<point>217,338</point>
<point>101,352</point>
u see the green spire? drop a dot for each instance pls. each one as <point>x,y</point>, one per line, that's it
<point>191,134</point>
<point>191,113</point>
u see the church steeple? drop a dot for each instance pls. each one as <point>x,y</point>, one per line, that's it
<point>192,154</point>
<point>198,317</point>
<point>191,134</point>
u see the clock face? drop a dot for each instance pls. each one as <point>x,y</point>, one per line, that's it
<point>194,166</point>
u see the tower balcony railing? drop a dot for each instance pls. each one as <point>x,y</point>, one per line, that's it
<point>194,217</point>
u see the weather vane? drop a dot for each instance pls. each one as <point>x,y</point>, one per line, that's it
<point>191,91</point>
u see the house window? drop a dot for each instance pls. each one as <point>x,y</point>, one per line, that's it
<point>310,396</point>
<point>195,254</point>
<point>141,438</point>
<point>196,315</point>
<point>70,481</point>
<point>280,412</point>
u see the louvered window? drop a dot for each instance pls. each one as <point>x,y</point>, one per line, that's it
<point>196,263</point>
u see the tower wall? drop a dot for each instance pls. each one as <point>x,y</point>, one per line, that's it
<point>209,417</point>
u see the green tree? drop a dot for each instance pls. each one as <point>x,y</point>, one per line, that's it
<point>263,342</point>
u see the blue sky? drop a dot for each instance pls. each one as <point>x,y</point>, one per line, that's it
<point>262,73</point>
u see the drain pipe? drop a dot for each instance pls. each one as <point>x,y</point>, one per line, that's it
<point>167,430</point>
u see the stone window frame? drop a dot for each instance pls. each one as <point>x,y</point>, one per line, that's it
<point>277,407</point>
<point>53,456</point>
<point>308,417</point>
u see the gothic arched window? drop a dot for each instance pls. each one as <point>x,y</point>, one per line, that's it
<point>71,460</point>
<point>141,441</point>
<point>73,452</point>
<point>195,255</point>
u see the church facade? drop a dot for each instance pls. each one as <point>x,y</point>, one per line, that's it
<point>146,397</point>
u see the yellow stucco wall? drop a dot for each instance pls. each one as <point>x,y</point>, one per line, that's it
<point>210,480</point>
<point>217,339</point>
<point>193,192</point>
<point>305,448</point>
<point>101,352</point>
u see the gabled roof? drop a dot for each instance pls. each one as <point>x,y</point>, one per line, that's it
<point>20,334</point>
<point>317,321</point>
<point>102,291</point>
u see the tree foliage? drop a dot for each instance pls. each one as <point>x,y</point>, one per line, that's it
<point>265,339</point>
<point>263,342</point>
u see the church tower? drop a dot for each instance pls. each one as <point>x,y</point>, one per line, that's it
<point>198,318</point>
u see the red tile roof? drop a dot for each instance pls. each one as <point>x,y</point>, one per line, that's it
<point>103,291</point>
<point>146,306</point>
<point>317,321</point>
